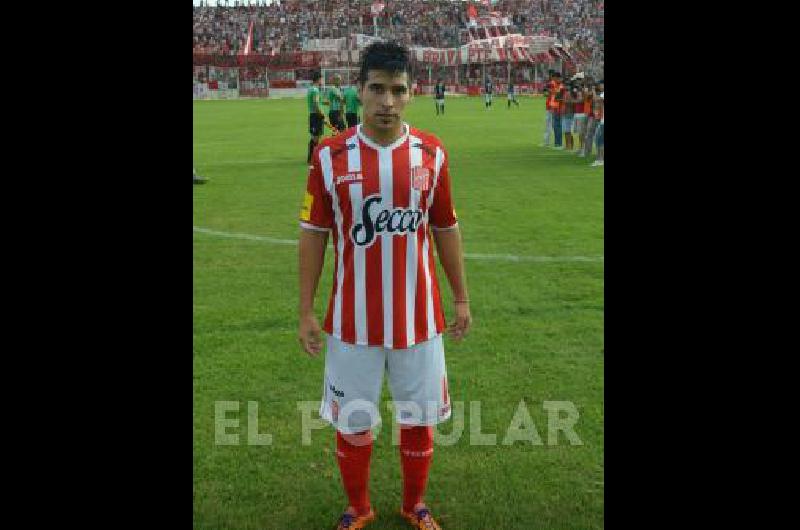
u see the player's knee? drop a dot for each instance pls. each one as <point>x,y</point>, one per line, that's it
<point>358,439</point>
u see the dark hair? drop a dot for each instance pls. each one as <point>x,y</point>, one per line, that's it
<point>315,77</point>
<point>387,56</point>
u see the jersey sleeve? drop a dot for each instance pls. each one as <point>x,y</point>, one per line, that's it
<point>317,210</point>
<point>442,212</point>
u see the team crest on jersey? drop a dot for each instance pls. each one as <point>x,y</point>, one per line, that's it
<point>350,177</point>
<point>420,178</point>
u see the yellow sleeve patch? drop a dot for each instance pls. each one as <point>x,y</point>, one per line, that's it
<point>305,212</point>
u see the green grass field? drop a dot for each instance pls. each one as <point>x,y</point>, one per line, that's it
<point>532,223</point>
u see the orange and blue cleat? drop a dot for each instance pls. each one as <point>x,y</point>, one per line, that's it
<point>420,518</point>
<point>351,521</point>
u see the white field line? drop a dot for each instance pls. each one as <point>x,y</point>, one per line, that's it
<point>467,255</point>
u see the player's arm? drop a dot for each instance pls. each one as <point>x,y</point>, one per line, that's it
<point>451,256</point>
<point>316,219</point>
<point>447,237</point>
<point>312,257</point>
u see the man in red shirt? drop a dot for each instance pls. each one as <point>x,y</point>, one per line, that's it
<point>383,189</point>
<point>549,103</point>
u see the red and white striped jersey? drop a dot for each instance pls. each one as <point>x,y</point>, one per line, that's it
<point>379,202</point>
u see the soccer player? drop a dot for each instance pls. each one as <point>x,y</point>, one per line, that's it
<point>351,105</point>
<point>600,130</point>
<point>549,102</point>
<point>557,96</point>
<point>336,100</point>
<point>488,90</point>
<point>590,125</point>
<point>438,95</point>
<point>580,114</point>
<point>511,95</point>
<point>567,112</point>
<point>383,190</point>
<point>594,120</point>
<point>316,118</point>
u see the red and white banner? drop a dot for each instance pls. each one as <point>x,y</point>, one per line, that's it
<point>248,45</point>
<point>513,48</point>
<point>471,55</point>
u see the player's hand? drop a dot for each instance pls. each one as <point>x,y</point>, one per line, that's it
<point>460,326</point>
<point>310,335</point>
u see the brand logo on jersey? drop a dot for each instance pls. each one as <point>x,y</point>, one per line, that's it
<point>420,178</point>
<point>350,177</point>
<point>375,221</point>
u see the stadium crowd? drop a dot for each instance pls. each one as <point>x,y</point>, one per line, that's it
<point>221,26</point>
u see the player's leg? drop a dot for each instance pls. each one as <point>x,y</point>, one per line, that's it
<point>580,122</point>
<point>418,381</point>
<point>315,130</point>
<point>588,141</point>
<point>557,141</point>
<point>350,404</point>
<point>548,123</point>
<point>587,130</point>
<point>600,145</point>
<point>566,125</point>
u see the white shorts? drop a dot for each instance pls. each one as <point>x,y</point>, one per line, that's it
<point>439,102</point>
<point>354,378</point>
<point>487,97</point>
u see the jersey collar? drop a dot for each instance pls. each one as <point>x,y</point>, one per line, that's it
<point>389,147</point>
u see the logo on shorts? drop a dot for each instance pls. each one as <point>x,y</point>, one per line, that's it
<point>335,410</point>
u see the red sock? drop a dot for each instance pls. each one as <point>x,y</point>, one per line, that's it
<point>352,453</point>
<point>416,453</point>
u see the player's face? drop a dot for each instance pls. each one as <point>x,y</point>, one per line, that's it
<point>384,96</point>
